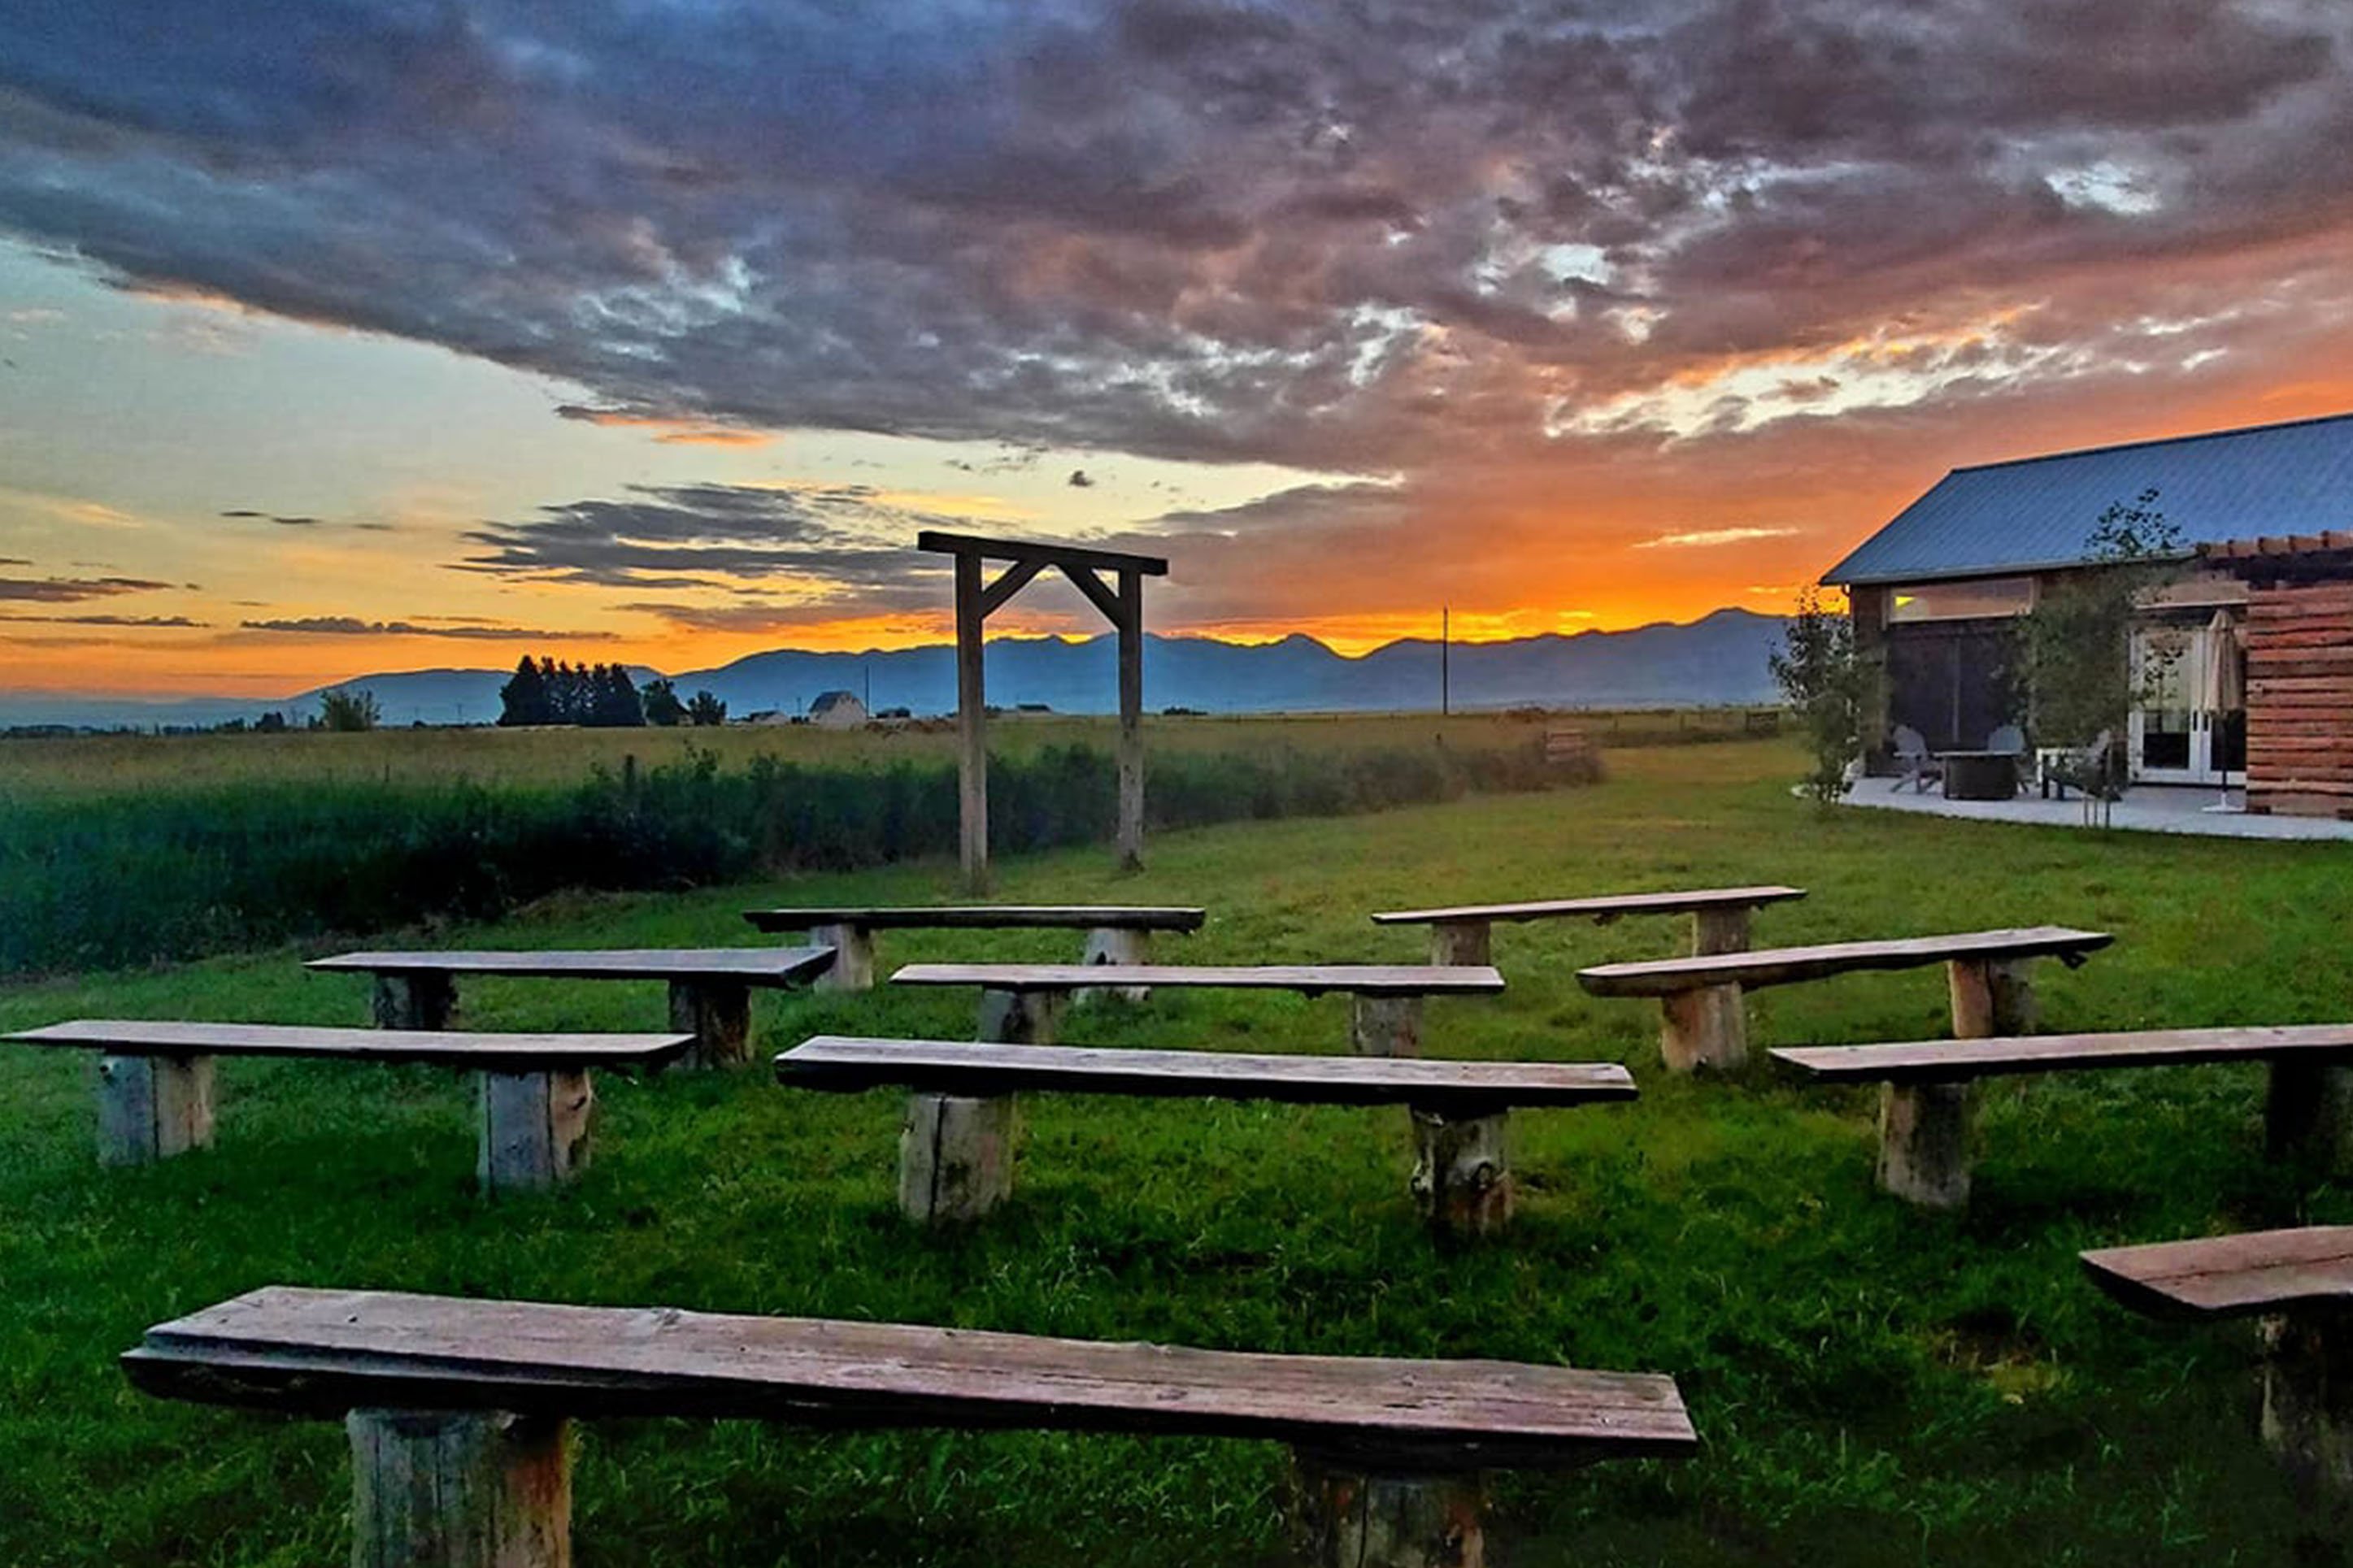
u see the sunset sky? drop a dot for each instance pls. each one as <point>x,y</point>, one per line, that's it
<point>352,336</point>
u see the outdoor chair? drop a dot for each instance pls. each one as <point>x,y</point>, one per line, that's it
<point>1913,765</point>
<point>2089,769</point>
<point>2010,741</point>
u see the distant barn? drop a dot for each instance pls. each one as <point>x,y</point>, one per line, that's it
<point>838,711</point>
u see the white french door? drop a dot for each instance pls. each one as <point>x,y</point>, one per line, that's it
<point>2173,742</point>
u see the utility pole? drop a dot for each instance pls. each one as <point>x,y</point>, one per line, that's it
<point>1445,660</point>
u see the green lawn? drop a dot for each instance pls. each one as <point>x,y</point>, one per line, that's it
<point>1873,1385</point>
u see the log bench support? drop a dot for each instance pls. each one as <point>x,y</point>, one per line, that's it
<point>1705,1027</point>
<point>1462,942</point>
<point>2308,1116</point>
<point>1461,1176</point>
<point>718,1014</point>
<point>459,1489</point>
<point>416,999</point>
<point>2308,1422</point>
<point>153,1107</point>
<point>1348,1513</point>
<point>853,957</point>
<point>1116,944</point>
<point>1381,1025</point>
<point>1925,1128</point>
<point>534,1129</point>
<point>956,1151</point>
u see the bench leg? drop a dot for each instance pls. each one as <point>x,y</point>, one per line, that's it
<point>1923,1144</point>
<point>1462,1178</point>
<point>1384,1026</point>
<point>719,1016</point>
<point>853,958</point>
<point>1719,931</point>
<point>1706,1027</point>
<point>1992,999</point>
<point>2308,1414</point>
<point>416,1001</point>
<point>1345,1514</point>
<point>955,1157</point>
<point>151,1107</point>
<point>2309,1115</point>
<point>459,1489</point>
<point>1116,944</point>
<point>534,1129</point>
<point>1462,942</point>
<point>956,1152</point>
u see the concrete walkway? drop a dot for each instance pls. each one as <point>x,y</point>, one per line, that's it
<point>2145,809</point>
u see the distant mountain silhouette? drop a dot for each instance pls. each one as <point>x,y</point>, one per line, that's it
<point>1720,659</point>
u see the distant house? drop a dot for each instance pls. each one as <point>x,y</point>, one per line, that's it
<point>837,710</point>
<point>2263,514</point>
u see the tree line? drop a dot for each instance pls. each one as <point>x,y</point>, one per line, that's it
<point>597,696</point>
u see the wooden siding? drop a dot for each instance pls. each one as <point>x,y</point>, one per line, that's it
<point>2300,699</point>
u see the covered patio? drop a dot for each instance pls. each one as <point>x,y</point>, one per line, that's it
<point>2145,809</point>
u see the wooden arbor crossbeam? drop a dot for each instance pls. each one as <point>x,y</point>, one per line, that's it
<point>1121,600</point>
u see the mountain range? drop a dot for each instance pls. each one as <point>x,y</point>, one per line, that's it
<point>1719,659</point>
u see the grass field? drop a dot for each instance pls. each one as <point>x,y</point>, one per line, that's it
<point>1873,1385</point>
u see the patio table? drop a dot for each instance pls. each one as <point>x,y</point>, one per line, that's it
<point>1979,776</point>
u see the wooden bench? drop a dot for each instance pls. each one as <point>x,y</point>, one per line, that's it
<point>1720,916</point>
<point>456,1409</point>
<point>1462,1178</point>
<point>1924,1118</point>
<point>1114,934</point>
<point>710,988</point>
<point>155,1084</point>
<point>1705,1026</point>
<point>2300,1282</point>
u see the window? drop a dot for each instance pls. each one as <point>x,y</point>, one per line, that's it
<point>1979,599</point>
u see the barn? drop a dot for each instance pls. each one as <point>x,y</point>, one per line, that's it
<point>2263,514</point>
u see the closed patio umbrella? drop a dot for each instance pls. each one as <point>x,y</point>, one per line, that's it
<point>2222,684</point>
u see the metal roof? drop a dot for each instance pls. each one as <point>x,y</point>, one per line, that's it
<point>2035,513</point>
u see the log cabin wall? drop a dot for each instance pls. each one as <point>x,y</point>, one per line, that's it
<point>2300,698</point>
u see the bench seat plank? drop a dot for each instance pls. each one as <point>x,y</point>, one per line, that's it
<point>738,965</point>
<point>2231,1276</point>
<point>486,1052</point>
<point>1360,979</point>
<point>327,1351</point>
<point>1603,907</point>
<point>1784,965</point>
<point>969,1068</point>
<point>983,917</point>
<point>1942,1060</point>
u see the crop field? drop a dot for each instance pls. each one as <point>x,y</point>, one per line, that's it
<point>1873,1385</point>
<point>37,767</point>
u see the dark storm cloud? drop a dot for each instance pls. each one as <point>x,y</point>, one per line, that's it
<point>243,512</point>
<point>107,620</point>
<point>352,625</point>
<point>1366,238</point>
<point>74,590</point>
<point>690,536</point>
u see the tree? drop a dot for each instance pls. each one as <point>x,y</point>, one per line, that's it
<point>349,710</point>
<point>661,704</point>
<point>524,699</point>
<point>612,699</point>
<point>2074,648</point>
<point>707,709</point>
<point>1830,685</point>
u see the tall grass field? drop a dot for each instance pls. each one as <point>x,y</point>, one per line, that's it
<point>1872,1385</point>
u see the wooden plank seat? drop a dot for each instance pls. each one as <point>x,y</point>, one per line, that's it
<point>155,1083</point>
<point>1464,935</point>
<point>2300,1283</point>
<point>1705,1024</point>
<point>1462,1178</point>
<point>1925,1106</point>
<point>1115,933</point>
<point>710,988</point>
<point>456,1409</point>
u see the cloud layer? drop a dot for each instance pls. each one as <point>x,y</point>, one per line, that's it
<point>1705,272</point>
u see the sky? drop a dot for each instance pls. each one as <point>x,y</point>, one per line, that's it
<point>353,336</point>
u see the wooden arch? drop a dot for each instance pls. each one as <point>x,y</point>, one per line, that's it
<point>1122,604</point>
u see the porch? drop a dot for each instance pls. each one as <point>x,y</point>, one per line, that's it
<point>2145,809</point>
